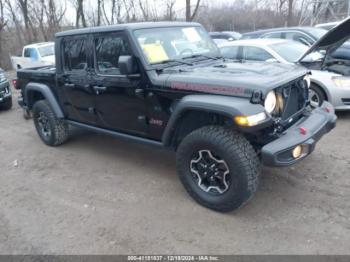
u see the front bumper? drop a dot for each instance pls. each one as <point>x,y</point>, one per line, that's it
<point>306,132</point>
<point>5,91</point>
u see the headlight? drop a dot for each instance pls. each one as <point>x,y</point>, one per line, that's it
<point>341,81</point>
<point>307,78</point>
<point>270,102</point>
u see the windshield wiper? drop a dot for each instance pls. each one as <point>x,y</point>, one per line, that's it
<point>205,56</point>
<point>172,61</point>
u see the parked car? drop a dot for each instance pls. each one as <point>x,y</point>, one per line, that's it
<point>325,85</point>
<point>5,92</point>
<point>305,35</point>
<point>222,118</point>
<point>35,55</point>
<point>327,26</point>
<point>225,35</point>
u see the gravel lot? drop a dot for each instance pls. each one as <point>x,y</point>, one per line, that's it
<point>101,195</point>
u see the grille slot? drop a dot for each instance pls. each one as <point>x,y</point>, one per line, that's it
<point>295,97</point>
<point>346,101</point>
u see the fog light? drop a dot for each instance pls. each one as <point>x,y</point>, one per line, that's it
<point>297,151</point>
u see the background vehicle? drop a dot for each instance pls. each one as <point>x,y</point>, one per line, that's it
<point>327,26</point>
<point>35,55</point>
<point>165,84</point>
<point>305,35</point>
<point>225,35</point>
<point>5,92</point>
<point>324,84</point>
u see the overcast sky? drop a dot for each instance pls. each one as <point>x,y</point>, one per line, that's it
<point>179,5</point>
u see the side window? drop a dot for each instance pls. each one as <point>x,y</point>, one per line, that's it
<point>299,38</point>
<point>273,35</point>
<point>34,54</point>
<point>74,52</point>
<point>230,52</point>
<point>108,50</point>
<point>255,54</point>
<point>27,52</point>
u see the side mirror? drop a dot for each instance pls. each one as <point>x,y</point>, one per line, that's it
<point>127,65</point>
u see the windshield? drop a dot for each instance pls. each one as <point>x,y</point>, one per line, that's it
<point>166,44</point>
<point>290,51</point>
<point>47,50</point>
<point>317,32</point>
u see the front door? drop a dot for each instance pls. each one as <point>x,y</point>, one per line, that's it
<point>79,98</point>
<point>120,105</point>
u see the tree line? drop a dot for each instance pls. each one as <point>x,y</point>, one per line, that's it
<point>29,21</point>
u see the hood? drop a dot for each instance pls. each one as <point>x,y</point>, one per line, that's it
<point>333,39</point>
<point>235,79</point>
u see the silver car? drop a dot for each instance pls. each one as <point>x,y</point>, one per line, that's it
<point>330,79</point>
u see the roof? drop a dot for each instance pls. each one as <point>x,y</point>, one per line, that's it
<point>255,42</point>
<point>119,27</point>
<point>300,28</point>
<point>39,44</point>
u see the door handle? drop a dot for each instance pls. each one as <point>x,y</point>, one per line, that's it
<point>99,89</point>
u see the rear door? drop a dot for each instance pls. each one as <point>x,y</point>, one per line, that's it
<point>74,80</point>
<point>120,104</point>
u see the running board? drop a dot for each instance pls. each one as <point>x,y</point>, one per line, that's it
<point>116,134</point>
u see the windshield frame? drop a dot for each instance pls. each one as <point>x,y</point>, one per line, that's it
<point>151,66</point>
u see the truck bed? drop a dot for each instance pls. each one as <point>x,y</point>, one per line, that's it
<point>45,75</point>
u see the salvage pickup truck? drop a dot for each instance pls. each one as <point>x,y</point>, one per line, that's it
<point>34,55</point>
<point>165,84</point>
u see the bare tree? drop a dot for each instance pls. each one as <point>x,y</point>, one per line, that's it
<point>191,15</point>
<point>3,23</point>
<point>80,15</point>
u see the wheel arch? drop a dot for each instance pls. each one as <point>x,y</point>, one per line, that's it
<point>323,89</point>
<point>36,91</point>
<point>195,111</point>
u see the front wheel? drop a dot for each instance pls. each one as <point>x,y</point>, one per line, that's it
<point>52,131</point>
<point>316,95</point>
<point>218,167</point>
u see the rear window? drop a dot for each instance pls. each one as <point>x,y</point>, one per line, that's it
<point>74,52</point>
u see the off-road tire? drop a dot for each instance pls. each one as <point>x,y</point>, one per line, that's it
<point>7,105</point>
<point>241,160</point>
<point>319,92</point>
<point>59,128</point>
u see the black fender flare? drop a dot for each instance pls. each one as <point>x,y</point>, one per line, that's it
<point>223,105</point>
<point>47,93</point>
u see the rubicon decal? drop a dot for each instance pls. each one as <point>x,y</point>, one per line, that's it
<point>207,88</point>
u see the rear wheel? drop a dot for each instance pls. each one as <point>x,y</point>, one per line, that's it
<point>218,167</point>
<point>52,131</point>
<point>316,95</point>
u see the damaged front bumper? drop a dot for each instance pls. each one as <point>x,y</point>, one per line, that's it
<point>304,134</point>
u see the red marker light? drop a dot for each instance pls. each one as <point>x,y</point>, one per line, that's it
<point>14,83</point>
<point>327,109</point>
<point>302,130</point>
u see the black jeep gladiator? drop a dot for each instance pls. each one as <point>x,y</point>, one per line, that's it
<point>165,84</point>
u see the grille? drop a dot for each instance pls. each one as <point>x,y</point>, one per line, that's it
<point>346,101</point>
<point>292,99</point>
